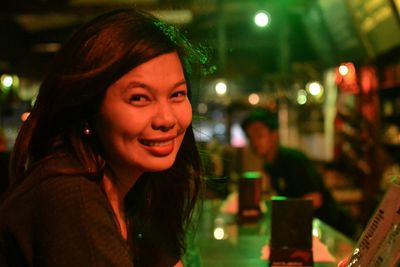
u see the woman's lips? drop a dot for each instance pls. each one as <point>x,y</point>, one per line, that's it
<point>159,148</point>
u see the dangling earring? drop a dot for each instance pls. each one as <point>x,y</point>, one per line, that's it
<point>86,130</point>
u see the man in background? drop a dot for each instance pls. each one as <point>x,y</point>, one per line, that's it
<point>292,173</point>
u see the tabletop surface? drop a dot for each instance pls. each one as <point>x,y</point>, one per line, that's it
<point>221,241</point>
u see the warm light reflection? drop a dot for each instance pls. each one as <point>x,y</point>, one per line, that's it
<point>24,116</point>
<point>348,81</point>
<point>254,99</point>
<point>202,108</point>
<point>178,16</point>
<point>219,233</point>
<point>46,47</point>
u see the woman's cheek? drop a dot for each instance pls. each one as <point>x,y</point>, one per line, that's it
<point>186,116</point>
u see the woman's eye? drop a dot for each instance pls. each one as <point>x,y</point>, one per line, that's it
<point>139,98</point>
<point>180,95</point>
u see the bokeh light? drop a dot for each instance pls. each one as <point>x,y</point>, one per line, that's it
<point>221,88</point>
<point>343,70</point>
<point>301,97</point>
<point>261,19</point>
<point>202,108</point>
<point>7,80</point>
<point>219,233</point>
<point>254,99</point>
<point>219,128</point>
<point>314,88</point>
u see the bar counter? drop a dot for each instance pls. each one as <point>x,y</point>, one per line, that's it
<point>221,241</point>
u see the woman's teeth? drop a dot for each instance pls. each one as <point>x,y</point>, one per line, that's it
<point>156,143</point>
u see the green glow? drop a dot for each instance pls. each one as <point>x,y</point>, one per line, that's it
<point>251,175</point>
<point>301,97</point>
<point>192,56</point>
<point>278,198</point>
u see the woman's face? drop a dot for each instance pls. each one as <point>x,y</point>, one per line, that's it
<point>144,116</point>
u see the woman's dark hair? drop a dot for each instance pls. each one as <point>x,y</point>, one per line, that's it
<point>98,54</point>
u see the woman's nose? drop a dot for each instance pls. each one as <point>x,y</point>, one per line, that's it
<point>164,118</point>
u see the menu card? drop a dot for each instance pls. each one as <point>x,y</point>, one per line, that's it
<point>379,244</point>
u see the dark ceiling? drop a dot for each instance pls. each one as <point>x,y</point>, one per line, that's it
<point>31,31</point>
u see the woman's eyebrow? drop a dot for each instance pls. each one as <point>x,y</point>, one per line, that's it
<point>182,82</point>
<point>133,84</point>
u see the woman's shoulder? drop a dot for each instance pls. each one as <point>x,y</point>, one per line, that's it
<point>64,186</point>
<point>60,215</point>
<point>58,204</point>
<point>46,187</point>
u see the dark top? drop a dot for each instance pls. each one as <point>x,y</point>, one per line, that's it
<point>60,221</point>
<point>293,175</point>
<point>4,170</point>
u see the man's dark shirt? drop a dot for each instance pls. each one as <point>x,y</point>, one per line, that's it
<point>294,175</point>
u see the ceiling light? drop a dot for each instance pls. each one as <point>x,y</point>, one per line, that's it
<point>261,19</point>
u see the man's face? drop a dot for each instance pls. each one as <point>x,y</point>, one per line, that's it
<point>262,139</point>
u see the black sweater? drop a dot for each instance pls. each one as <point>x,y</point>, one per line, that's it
<point>60,221</point>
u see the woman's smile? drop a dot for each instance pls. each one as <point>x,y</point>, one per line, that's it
<point>144,116</point>
<point>156,143</point>
<point>159,149</point>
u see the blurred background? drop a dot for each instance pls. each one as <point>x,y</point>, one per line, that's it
<point>330,68</point>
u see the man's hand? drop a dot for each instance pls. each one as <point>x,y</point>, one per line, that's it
<point>342,263</point>
<point>179,264</point>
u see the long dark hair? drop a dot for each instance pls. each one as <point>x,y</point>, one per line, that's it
<point>99,53</point>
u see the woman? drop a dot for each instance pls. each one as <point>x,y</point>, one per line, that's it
<point>105,169</point>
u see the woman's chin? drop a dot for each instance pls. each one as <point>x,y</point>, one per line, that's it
<point>159,166</point>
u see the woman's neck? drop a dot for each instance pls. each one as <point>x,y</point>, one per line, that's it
<point>116,188</point>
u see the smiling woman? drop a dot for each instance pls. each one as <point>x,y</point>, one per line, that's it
<point>105,171</point>
<point>142,124</point>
